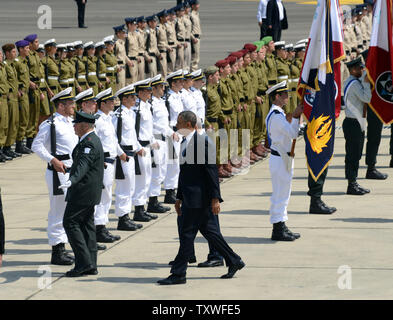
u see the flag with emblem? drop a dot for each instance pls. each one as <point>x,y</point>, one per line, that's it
<point>380,61</point>
<point>320,86</point>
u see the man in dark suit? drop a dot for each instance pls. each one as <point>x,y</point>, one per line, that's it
<point>84,192</point>
<point>81,12</point>
<point>276,17</point>
<point>198,200</point>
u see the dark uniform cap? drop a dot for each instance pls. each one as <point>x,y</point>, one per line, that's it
<point>151,18</point>
<point>354,63</point>
<point>141,19</point>
<point>130,20</point>
<point>31,37</point>
<point>81,116</point>
<point>179,7</point>
<point>120,28</point>
<point>370,2</point>
<point>192,2</point>
<point>364,54</point>
<point>22,43</point>
<point>186,4</point>
<point>172,10</point>
<point>162,13</point>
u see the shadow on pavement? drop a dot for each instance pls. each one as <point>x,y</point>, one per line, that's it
<point>238,240</point>
<point>258,212</point>
<point>29,241</point>
<point>364,220</point>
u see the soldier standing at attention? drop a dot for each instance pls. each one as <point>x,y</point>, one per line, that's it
<point>91,66</point>
<point>121,55</point>
<point>111,62</point>
<point>162,42</point>
<point>4,90</point>
<point>195,34</point>
<point>132,50</point>
<point>153,54</point>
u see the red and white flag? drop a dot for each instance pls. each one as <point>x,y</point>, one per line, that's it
<point>380,61</point>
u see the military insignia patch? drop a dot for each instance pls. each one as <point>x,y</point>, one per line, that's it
<point>87,150</point>
<point>384,86</point>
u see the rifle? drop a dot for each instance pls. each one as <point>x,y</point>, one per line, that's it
<point>127,45</point>
<point>51,109</point>
<point>137,128</point>
<point>119,170</point>
<point>55,177</point>
<point>153,163</point>
<point>170,141</point>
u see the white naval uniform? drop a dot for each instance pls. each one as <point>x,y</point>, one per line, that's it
<point>188,101</point>
<point>281,133</point>
<point>142,181</point>
<point>161,129</point>
<point>125,187</point>
<point>200,103</point>
<point>107,134</point>
<point>66,140</point>
<point>173,167</point>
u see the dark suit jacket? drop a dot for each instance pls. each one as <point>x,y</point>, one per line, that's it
<point>198,178</point>
<point>2,228</point>
<point>273,16</point>
<point>87,172</point>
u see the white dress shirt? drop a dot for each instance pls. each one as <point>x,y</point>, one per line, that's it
<point>146,123</point>
<point>280,9</point>
<point>200,102</point>
<point>188,101</point>
<point>175,107</point>
<point>262,10</point>
<point>128,133</point>
<point>280,131</point>
<point>66,139</point>
<point>107,134</point>
<point>160,118</point>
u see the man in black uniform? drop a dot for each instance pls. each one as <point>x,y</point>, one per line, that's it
<point>81,13</point>
<point>198,200</point>
<point>85,187</point>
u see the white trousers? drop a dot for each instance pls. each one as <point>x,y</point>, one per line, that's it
<point>187,57</point>
<point>57,204</point>
<point>281,185</point>
<point>158,173</point>
<point>124,189</point>
<point>102,209</point>
<point>142,181</point>
<point>173,167</point>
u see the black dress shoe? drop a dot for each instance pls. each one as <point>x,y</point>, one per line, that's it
<point>364,189</point>
<point>353,189</point>
<point>391,163</point>
<point>29,142</point>
<point>232,269</point>
<point>114,236</point>
<point>78,273</point>
<point>60,257</point>
<point>317,206</point>
<point>151,215</point>
<point>140,214</point>
<point>5,157</point>
<point>280,233</point>
<point>101,247</point>
<point>103,237</point>
<point>17,154</point>
<point>211,264</point>
<point>91,272</point>
<point>125,224</point>
<point>9,153</point>
<point>20,148</point>
<point>172,279</point>
<point>375,174</point>
<point>155,207</point>
<point>83,26</point>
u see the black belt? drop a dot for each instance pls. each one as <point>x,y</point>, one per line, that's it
<point>227,112</point>
<point>347,52</point>
<point>180,39</point>
<point>128,151</point>
<point>272,81</point>
<point>102,79</point>
<point>275,153</point>
<point>120,62</point>
<point>188,40</point>
<point>53,87</point>
<point>92,83</point>
<point>174,128</point>
<point>35,79</point>
<point>360,46</point>
<point>160,137</point>
<point>109,160</point>
<point>82,81</point>
<point>107,154</point>
<point>212,119</point>
<point>132,58</point>
<point>293,89</point>
<point>261,92</point>
<point>196,36</point>
<point>171,43</point>
<point>110,74</point>
<point>67,170</point>
<point>162,51</point>
<point>140,54</point>
<point>152,54</point>
<point>144,143</point>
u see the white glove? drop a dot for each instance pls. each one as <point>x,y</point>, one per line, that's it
<point>155,146</point>
<point>66,185</point>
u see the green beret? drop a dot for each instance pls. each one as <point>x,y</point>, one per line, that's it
<point>267,39</point>
<point>211,70</point>
<point>259,44</point>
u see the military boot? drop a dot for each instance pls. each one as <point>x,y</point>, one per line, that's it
<point>59,256</point>
<point>155,207</point>
<point>140,214</point>
<point>170,196</point>
<point>317,206</point>
<point>20,148</point>
<point>280,233</point>
<point>125,224</point>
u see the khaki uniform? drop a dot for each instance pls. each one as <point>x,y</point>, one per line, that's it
<point>111,70</point>
<point>292,84</point>
<point>187,50</point>
<point>141,36</point>
<point>13,108</point>
<point>101,72</point>
<point>172,43</point>
<point>239,101</point>
<point>247,91</point>
<point>133,51</point>
<point>271,67</point>
<point>262,109</point>
<point>122,60</point>
<point>283,73</point>
<point>213,113</point>
<point>181,38</point>
<point>152,51</point>
<point>34,95</point>
<point>251,100</point>
<point>66,77</point>
<point>22,70</point>
<point>196,33</point>
<point>162,44</point>
<point>80,72</point>
<point>4,89</point>
<point>92,78</point>
<point>51,72</point>
<point>45,109</point>
<point>359,35</point>
<point>366,31</point>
